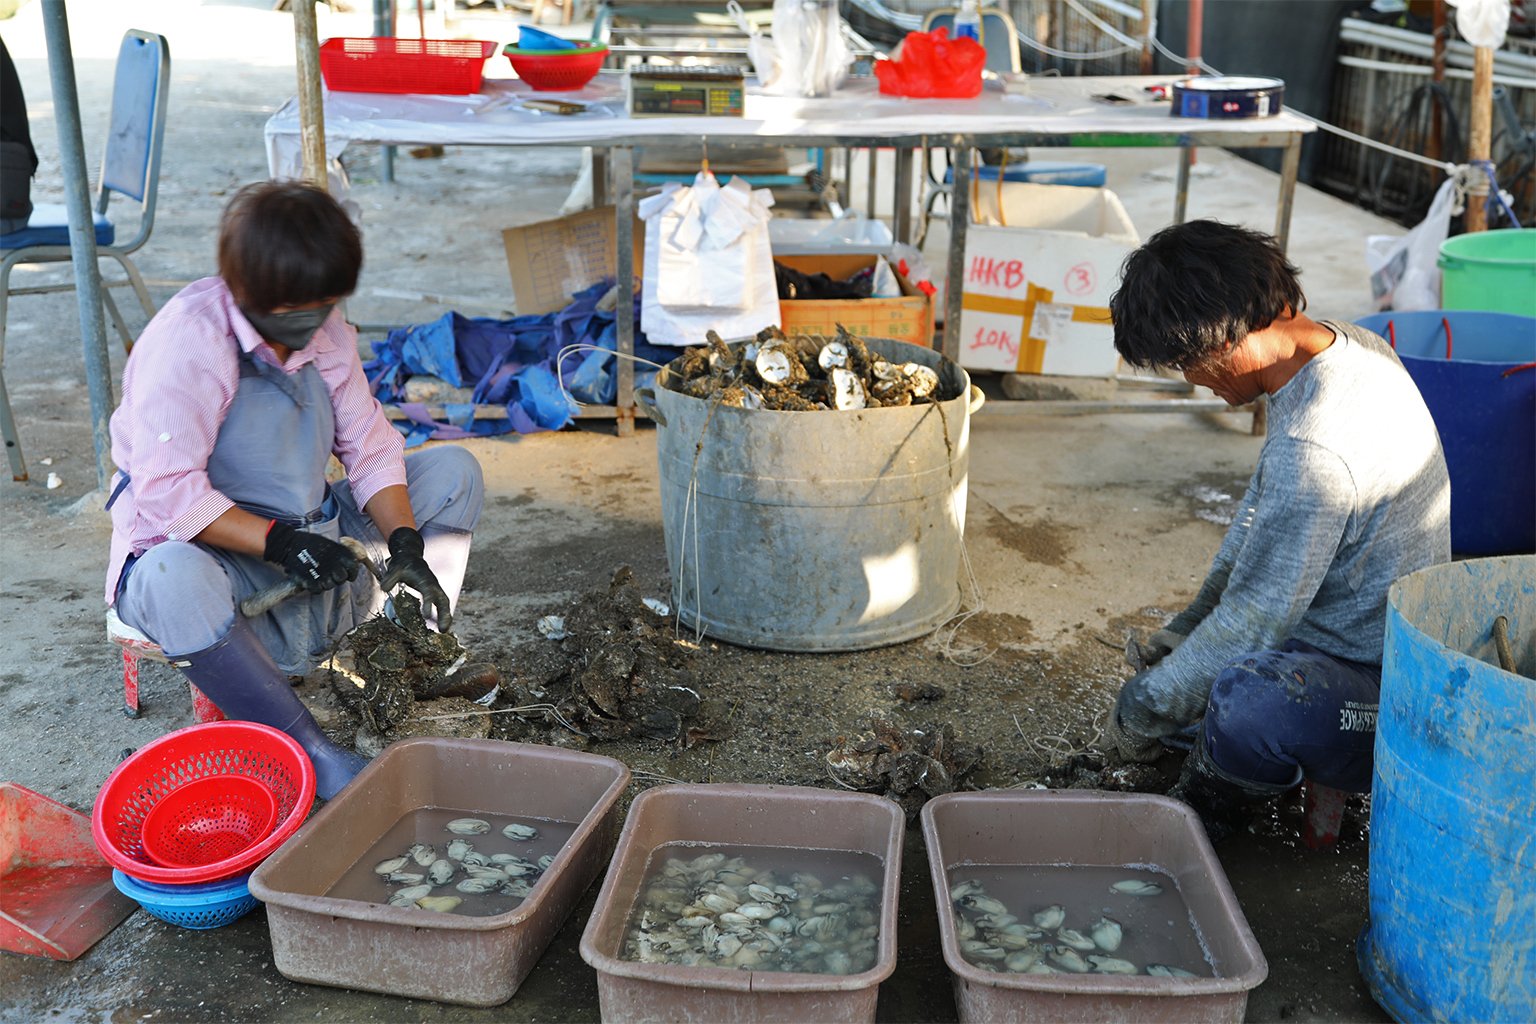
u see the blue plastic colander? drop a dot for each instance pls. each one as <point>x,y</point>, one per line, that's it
<point>197,906</point>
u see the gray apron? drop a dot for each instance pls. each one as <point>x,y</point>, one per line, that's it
<point>270,459</point>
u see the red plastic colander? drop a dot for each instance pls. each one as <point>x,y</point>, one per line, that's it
<point>174,783</point>
<point>557,70</point>
<point>208,821</point>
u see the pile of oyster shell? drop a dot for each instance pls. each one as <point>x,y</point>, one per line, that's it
<point>719,911</point>
<point>996,940</point>
<point>804,373</point>
<point>907,765</point>
<point>613,671</point>
<point>429,880</point>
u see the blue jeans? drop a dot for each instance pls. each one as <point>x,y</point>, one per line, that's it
<point>1276,717</point>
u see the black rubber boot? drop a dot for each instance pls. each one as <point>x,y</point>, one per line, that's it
<point>240,677</point>
<point>1226,805</point>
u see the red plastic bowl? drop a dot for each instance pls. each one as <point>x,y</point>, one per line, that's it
<point>556,70</point>
<point>157,772</point>
<point>209,820</point>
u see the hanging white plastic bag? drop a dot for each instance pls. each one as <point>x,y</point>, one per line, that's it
<point>1404,268</point>
<point>708,262</point>
<point>1482,22</point>
<point>698,263</point>
<point>813,56</point>
<point>760,49</point>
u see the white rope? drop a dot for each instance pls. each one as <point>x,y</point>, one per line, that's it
<point>1102,25</point>
<point>971,654</point>
<point>548,709</point>
<point>1070,55</point>
<point>582,346</point>
<point>914,23</point>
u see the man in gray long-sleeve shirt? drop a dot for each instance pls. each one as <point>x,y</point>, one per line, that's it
<point>1275,667</point>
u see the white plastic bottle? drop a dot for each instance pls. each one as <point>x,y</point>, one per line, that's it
<point>967,21</point>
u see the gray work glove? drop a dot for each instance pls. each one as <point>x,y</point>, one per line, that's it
<point>1143,654</point>
<point>1124,740</point>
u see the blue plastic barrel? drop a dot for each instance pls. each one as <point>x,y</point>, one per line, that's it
<point>1467,367</point>
<point>1452,929</point>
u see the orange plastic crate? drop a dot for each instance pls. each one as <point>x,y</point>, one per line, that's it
<point>388,64</point>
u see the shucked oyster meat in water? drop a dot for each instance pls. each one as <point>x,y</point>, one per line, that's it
<point>993,938</point>
<point>719,911</point>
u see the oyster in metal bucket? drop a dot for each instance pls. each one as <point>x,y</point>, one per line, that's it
<point>863,510</point>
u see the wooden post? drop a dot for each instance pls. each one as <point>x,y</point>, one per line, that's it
<point>306,42</point>
<point>1195,35</point>
<point>1437,75</point>
<point>1479,143</point>
<point>1148,24</point>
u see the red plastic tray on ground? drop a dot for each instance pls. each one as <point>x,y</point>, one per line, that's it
<point>387,64</point>
<point>56,893</point>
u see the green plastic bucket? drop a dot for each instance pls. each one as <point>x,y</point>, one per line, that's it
<point>1492,271</point>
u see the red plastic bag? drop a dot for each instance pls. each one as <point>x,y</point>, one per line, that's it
<point>930,64</point>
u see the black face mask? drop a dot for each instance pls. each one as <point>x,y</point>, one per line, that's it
<point>293,329</point>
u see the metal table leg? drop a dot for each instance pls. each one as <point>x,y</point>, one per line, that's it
<point>384,25</point>
<point>599,176</point>
<point>959,218</point>
<point>622,160</point>
<point>872,186</point>
<point>1289,166</point>
<point>901,211</point>
<point>1181,189</point>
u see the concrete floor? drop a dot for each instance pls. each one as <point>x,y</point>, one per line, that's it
<point>1072,521</point>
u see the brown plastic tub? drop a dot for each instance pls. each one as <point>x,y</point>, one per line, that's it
<point>1092,828</point>
<point>477,961</point>
<point>737,815</point>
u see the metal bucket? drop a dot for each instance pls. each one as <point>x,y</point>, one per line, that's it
<point>816,531</point>
<point>1452,932</point>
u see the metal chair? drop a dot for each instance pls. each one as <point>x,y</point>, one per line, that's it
<point>129,167</point>
<point>1000,38</point>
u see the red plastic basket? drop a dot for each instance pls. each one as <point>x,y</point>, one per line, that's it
<point>556,70</point>
<point>184,758</point>
<point>387,64</point>
<point>208,821</point>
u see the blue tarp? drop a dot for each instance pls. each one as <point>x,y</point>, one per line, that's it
<point>509,363</point>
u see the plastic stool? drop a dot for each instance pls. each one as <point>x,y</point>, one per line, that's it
<point>136,645</point>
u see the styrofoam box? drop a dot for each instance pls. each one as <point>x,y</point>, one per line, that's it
<point>1040,264</point>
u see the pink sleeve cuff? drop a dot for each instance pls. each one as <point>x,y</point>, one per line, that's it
<point>197,518</point>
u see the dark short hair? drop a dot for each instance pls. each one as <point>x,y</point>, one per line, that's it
<point>287,243</point>
<point>1196,290</point>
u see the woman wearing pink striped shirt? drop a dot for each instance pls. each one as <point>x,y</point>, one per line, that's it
<point>235,397</point>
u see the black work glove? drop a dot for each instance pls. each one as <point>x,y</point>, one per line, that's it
<point>314,562</point>
<point>408,565</point>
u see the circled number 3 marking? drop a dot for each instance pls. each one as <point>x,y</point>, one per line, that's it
<point>1080,280</point>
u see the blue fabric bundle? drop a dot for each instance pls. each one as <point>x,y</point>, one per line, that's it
<point>509,363</point>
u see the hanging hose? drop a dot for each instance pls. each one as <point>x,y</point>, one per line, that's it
<point>1408,132</point>
<point>1501,644</point>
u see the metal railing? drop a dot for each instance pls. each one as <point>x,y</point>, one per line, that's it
<point>1383,89</point>
<point>1066,26</point>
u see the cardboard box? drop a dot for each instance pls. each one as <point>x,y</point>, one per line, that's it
<point>1040,265</point>
<point>909,318</point>
<point>554,259</point>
